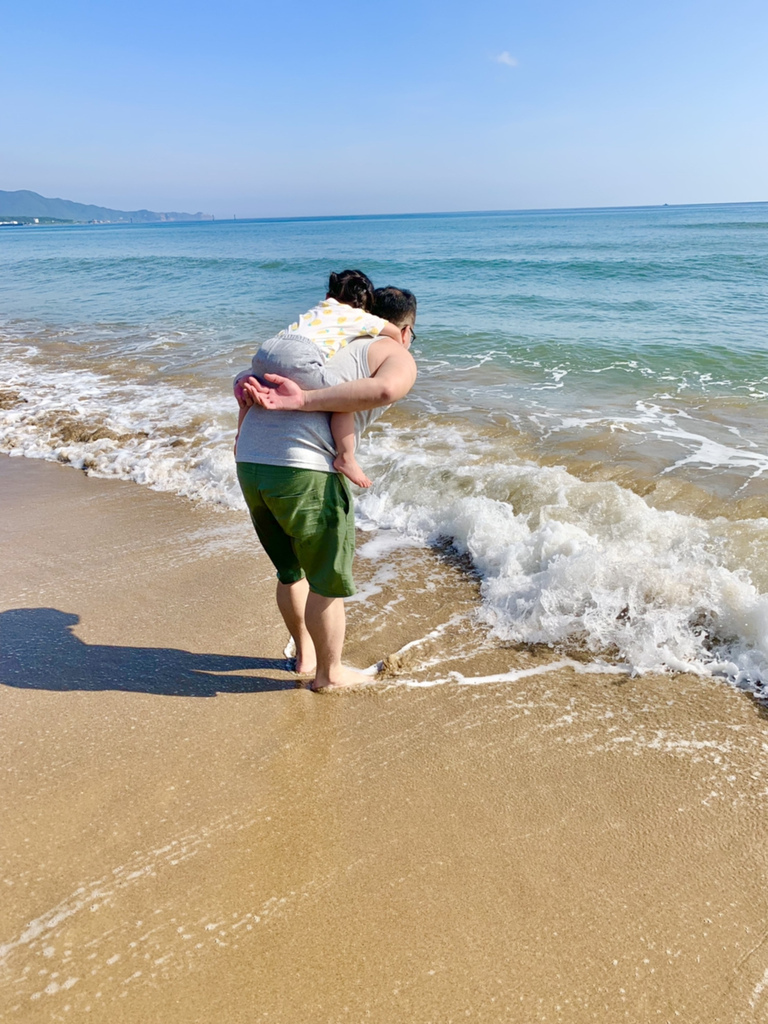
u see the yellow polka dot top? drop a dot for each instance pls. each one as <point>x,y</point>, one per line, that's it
<point>332,325</point>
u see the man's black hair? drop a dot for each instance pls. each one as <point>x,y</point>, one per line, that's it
<point>397,305</point>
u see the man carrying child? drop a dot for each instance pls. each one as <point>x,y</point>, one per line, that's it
<point>300,506</point>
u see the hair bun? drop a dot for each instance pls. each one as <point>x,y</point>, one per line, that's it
<point>352,287</point>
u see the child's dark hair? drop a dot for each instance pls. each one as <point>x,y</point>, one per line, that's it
<point>397,305</point>
<point>353,288</point>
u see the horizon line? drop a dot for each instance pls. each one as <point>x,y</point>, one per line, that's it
<point>476,213</point>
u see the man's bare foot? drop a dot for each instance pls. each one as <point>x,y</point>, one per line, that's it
<point>303,663</point>
<point>342,678</point>
<point>305,667</point>
<point>351,470</point>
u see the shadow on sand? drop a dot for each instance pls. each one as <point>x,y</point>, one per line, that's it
<point>38,650</point>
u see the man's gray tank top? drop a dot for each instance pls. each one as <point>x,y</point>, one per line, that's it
<point>303,439</point>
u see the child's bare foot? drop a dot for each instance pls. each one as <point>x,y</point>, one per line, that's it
<point>351,470</point>
<point>342,679</point>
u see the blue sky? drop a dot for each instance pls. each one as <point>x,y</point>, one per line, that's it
<point>260,109</point>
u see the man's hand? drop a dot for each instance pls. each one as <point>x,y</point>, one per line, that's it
<point>286,394</point>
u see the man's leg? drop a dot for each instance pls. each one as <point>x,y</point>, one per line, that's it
<point>326,622</point>
<point>292,602</point>
<point>291,594</point>
<point>304,520</point>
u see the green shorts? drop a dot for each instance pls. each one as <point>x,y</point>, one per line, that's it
<point>305,522</point>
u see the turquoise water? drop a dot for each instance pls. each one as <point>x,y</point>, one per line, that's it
<point>589,423</point>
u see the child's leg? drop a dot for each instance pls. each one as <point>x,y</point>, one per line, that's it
<point>343,431</point>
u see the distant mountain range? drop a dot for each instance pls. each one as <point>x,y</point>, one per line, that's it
<point>29,205</point>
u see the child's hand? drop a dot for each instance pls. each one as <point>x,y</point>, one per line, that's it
<point>390,331</point>
<point>246,389</point>
<point>240,394</point>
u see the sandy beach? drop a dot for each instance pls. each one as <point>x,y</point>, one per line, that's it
<point>190,836</point>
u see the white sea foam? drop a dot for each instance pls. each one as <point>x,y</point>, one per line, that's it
<point>167,437</point>
<point>513,675</point>
<point>673,426</point>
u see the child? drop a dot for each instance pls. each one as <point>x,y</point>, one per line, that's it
<point>301,351</point>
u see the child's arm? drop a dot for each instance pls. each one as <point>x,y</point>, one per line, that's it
<point>390,331</point>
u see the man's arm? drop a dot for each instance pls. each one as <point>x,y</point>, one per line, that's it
<point>392,379</point>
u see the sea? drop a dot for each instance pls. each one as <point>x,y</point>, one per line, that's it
<point>588,432</point>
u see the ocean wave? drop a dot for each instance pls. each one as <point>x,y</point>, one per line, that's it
<point>685,439</point>
<point>550,265</point>
<point>723,225</point>
<point>590,565</point>
<point>167,437</point>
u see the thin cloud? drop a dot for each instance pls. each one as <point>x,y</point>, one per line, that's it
<point>506,58</point>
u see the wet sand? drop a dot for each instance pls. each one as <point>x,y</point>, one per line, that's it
<point>187,836</point>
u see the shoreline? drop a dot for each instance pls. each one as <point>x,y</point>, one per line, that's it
<point>564,847</point>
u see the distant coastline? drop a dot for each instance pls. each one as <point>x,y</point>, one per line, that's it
<point>24,208</point>
<point>28,208</point>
